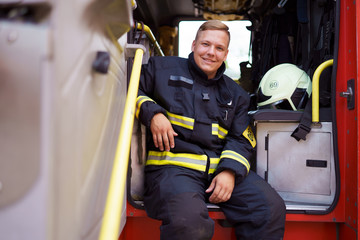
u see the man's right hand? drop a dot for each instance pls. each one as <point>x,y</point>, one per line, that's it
<point>162,132</point>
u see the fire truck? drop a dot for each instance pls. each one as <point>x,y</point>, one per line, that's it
<point>73,154</point>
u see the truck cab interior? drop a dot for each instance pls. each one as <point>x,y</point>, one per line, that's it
<point>302,168</point>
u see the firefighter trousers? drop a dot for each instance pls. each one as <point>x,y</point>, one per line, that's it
<point>177,197</point>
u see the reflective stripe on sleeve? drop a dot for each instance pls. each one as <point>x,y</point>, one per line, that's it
<point>237,157</point>
<point>218,131</point>
<point>181,121</point>
<point>139,101</point>
<point>189,160</point>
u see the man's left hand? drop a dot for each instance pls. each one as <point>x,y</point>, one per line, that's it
<point>222,186</point>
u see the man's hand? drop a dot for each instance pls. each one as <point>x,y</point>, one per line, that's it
<point>222,186</point>
<point>162,132</point>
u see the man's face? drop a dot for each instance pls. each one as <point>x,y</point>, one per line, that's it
<point>210,50</point>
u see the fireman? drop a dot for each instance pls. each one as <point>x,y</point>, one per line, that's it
<point>201,144</point>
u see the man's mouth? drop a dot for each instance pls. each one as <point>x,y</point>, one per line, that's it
<point>208,60</point>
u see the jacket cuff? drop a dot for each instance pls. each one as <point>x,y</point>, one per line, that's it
<point>228,164</point>
<point>149,111</point>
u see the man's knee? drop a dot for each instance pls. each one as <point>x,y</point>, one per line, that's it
<point>188,227</point>
<point>187,218</point>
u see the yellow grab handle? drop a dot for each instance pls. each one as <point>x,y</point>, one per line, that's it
<point>150,35</point>
<point>315,89</point>
<point>115,198</point>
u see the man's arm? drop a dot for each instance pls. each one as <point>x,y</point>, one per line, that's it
<point>222,186</point>
<point>234,160</point>
<point>150,113</point>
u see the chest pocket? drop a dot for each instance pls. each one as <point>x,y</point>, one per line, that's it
<point>225,113</point>
<point>179,94</point>
<point>225,106</point>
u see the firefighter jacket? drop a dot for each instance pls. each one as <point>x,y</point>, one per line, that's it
<point>209,116</point>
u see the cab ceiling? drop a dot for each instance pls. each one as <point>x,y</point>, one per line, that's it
<point>155,13</point>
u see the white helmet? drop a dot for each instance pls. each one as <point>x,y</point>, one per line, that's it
<point>284,86</point>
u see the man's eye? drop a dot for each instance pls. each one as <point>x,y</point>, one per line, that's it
<point>205,44</point>
<point>220,49</point>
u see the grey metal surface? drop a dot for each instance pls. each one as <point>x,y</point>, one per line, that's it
<point>283,162</point>
<point>287,169</point>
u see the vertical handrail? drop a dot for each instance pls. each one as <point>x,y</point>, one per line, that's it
<point>116,193</point>
<point>150,35</point>
<point>315,89</point>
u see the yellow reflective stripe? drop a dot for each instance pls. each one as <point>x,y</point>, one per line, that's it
<point>189,160</point>
<point>140,100</point>
<point>223,131</point>
<point>181,121</point>
<point>237,157</point>
<point>218,131</point>
<point>214,128</point>
<point>249,135</point>
<point>213,164</point>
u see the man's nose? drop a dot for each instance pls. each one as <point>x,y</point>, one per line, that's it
<point>211,50</point>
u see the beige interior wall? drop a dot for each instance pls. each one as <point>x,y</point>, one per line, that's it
<point>77,118</point>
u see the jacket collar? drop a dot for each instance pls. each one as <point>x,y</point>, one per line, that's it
<point>199,75</point>
<point>223,94</point>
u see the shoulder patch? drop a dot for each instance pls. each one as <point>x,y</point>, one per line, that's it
<point>249,135</point>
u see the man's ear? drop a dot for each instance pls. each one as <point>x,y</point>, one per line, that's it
<point>193,45</point>
<point>227,51</point>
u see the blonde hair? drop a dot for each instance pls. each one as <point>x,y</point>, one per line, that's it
<point>213,25</point>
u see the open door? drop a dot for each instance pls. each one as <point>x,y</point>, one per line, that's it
<point>347,114</point>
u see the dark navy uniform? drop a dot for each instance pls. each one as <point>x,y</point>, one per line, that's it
<point>210,117</point>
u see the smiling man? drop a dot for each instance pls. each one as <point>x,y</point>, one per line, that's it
<point>201,145</point>
<point>210,50</point>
